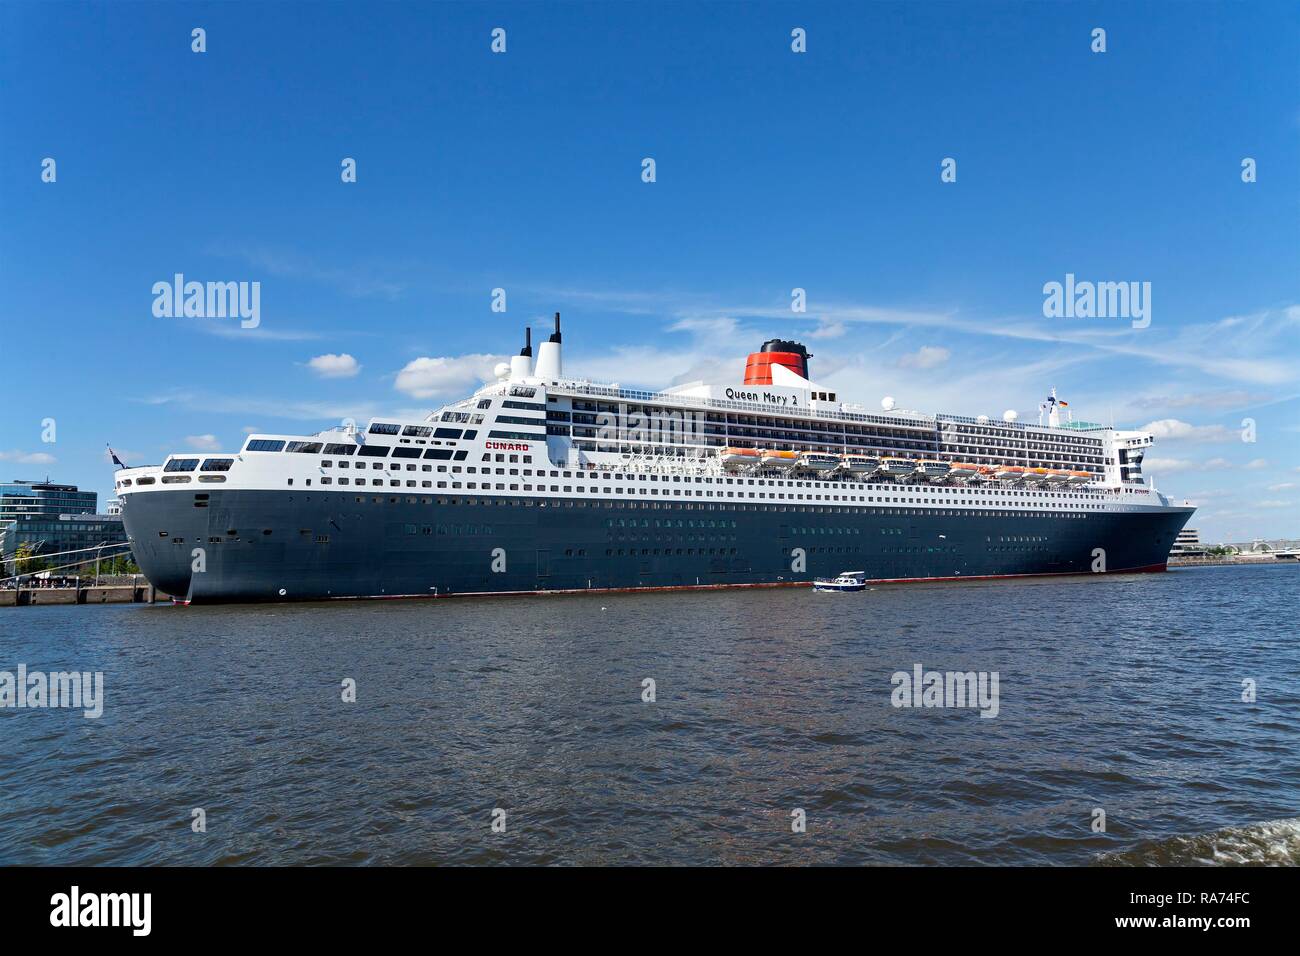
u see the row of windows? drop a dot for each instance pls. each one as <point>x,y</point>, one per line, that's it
<point>678,427</point>
<point>633,505</point>
<point>595,489</point>
<point>189,464</point>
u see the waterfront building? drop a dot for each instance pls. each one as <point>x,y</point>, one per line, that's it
<point>53,519</point>
<point>1188,544</point>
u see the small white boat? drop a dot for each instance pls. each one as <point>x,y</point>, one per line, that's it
<point>861,464</point>
<point>844,581</point>
<point>778,459</point>
<point>897,467</point>
<point>816,461</point>
<point>932,469</point>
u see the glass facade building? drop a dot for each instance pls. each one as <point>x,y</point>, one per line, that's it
<point>52,519</point>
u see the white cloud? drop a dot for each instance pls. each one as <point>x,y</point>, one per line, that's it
<point>1213,399</point>
<point>334,366</point>
<point>1283,486</point>
<point>828,330</point>
<point>203,442</point>
<point>1167,465</point>
<point>299,410</point>
<point>250,429</point>
<point>1275,503</point>
<point>228,330</point>
<point>1218,464</point>
<point>1257,464</point>
<point>1171,429</point>
<point>27,457</point>
<point>446,376</point>
<point>927,356</point>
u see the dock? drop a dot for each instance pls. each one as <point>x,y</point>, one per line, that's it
<point>111,594</point>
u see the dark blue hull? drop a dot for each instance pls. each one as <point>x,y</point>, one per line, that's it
<point>277,546</point>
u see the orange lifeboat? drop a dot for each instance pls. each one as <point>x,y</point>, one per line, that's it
<point>733,458</point>
<point>778,459</point>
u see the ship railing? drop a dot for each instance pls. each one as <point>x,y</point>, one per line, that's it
<point>904,419</point>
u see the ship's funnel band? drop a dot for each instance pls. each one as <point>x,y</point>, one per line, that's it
<point>758,369</point>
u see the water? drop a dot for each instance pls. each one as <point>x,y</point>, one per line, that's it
<point>1119,693</point>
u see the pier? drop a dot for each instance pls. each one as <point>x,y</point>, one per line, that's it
<point>142,593</point>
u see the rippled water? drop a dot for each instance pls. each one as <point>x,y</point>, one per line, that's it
<point>1118,693</point>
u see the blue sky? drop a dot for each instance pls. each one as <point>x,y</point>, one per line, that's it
<point>774,170</point>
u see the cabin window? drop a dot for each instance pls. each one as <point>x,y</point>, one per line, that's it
<point>181,464</point>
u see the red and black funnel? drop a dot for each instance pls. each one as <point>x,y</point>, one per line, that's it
<point>758,368</point>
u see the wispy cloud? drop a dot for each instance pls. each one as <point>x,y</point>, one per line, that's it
<point>228,329</point>
<point>357,280</point>
<point>267,408</point>
<point>1172,429</point>
<point>927,356</point>
<point>1255,348</point>
<point>27,457</point>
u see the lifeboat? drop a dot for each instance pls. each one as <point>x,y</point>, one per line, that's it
<point>897,467</point>
<point>1008,472</point>
<point>961,470</point>
<point>734,458</point>
<point>1035,476</point>
<point>1057,477</point>
<point>818,461</point>
<point>1080,477</point>
<point>932,470</point>
<point>778,459</point>
<point>861,464</point>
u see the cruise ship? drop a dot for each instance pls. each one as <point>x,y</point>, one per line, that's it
<point>541,483</point>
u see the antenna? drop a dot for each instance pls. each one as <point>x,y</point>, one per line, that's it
<point>555,336</point>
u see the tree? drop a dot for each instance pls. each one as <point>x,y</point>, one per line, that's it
<point>25,563</point>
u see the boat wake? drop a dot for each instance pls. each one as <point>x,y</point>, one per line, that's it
<point>1275,843</point>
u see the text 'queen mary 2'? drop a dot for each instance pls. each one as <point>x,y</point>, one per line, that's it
<point>539,482</point>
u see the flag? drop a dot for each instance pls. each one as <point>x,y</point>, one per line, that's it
<point>1062,403</point>
<point>112,454</point>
